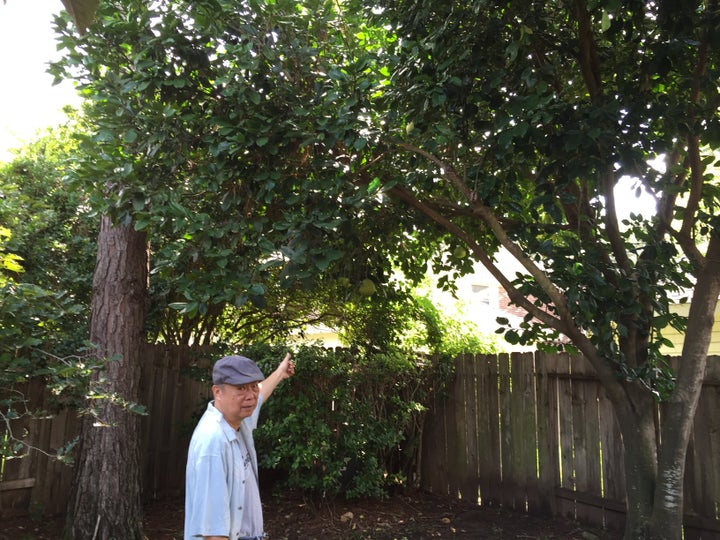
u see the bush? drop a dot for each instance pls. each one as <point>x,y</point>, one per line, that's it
<point>346,424</point>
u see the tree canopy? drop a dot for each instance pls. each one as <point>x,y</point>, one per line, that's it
<point>213,108</point>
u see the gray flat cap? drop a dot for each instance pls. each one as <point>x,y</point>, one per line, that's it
<point>236,370</point>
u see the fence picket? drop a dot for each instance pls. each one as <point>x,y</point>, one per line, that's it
<point>586,440</point>
<point>434,459</point>
<point>470,486</point>
<point>488,430</point>
<point>508,481</point>
<point>547,432</point>
<point>456,420</point>
<point>566,507</point>
<point>612,464</point>
<point>522,420</point>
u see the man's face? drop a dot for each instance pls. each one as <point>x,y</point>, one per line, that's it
<point>236,402</point>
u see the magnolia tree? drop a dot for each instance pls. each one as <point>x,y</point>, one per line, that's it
<point>256,141</point>
<point>223,138</point>
<point>512,125</point>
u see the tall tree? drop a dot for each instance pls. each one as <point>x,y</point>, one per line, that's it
<point>517,120</point>
<point>105,500</point>
<point>219,132</point>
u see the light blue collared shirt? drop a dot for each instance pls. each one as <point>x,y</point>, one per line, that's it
<point>221,486</point>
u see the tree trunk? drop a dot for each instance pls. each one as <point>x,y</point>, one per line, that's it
<point>679,412</point>
<point>637,426</point>
<point>105,500</point>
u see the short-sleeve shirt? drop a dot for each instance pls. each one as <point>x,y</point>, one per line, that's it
<point>222,497</point>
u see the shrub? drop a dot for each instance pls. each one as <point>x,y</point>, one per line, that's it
<point>346,424</point>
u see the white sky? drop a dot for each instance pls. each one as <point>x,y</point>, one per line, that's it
<point>28,100</point>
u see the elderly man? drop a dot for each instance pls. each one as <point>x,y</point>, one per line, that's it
<point>222,495</point>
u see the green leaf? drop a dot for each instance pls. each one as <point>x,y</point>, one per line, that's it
<point>138,202</point>
<point>130,136</point>
<point>605,25</point>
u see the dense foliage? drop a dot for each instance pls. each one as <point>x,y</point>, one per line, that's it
<point>53,230</point>
<point>47,246</point>
<point>349,423</point>
<point>254,144</point>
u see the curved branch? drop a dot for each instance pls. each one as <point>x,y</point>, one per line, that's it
<point>696,166</point>
<point>405,195</point>
<point>488,217</point>
<point>611,223</point>
<point>562,322</point>
<point>684,235</point>
<point>589,61</point>
<point>669,197</point>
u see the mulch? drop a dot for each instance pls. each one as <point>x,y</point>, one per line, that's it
<point>413,515</point>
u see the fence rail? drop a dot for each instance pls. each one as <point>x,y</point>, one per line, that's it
<point>532,432</point>
<point>537,433</point>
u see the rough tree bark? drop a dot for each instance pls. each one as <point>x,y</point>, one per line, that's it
<point>105,501</point>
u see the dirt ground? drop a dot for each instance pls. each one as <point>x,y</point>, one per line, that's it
<point>411,516</point>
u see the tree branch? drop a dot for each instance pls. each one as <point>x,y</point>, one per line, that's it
<point>404,194</point>
<point>562,322</point>
<point>589,61</point>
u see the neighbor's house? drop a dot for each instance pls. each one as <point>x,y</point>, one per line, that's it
<point>678,339</point>
<point>325,335</point>
<point>481,299</point>
<point>484,298</point>
<point>490,301</point>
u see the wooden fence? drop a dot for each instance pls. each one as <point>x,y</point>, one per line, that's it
<point>39,484</point>
<point>531,432</point>
<point>536,433</point>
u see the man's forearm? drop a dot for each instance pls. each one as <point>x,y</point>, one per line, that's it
<point>283,371</point>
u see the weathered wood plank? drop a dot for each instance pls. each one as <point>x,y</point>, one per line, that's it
<point>547,432</point>
<point>565,428</point>
<point>433,473</point>
<point>456,443</point>
<point>489,435</point>
<point>56,484</point>
<point>509,475</point>
<point>524,426</point>
<point>700,483</point>
<point>586,437</point>
<point>613,467</point>
<point>12,485</point>
<point>469,487</point>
